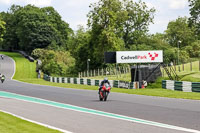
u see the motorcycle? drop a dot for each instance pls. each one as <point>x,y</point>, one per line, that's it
<point>105,90</point>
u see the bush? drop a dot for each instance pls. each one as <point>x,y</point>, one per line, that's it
<point>55,63</point>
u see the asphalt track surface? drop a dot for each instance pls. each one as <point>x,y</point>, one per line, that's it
<point>177,112</point>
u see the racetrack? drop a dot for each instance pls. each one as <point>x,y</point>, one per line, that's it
<point>177,112</point>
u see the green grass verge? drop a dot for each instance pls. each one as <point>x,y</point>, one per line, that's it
<point>152,90</point>
<point>11,124</point>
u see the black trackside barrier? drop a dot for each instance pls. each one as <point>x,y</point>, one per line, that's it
<point>147,73</point>
<point>110,57</point>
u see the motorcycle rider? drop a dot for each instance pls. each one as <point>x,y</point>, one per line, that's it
<point>103,82</point>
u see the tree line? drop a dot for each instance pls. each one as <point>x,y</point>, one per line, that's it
<point>113,25</point>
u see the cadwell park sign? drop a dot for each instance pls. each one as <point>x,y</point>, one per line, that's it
<point>155,56</point>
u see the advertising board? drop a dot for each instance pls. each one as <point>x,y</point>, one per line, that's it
<point>155,56</point>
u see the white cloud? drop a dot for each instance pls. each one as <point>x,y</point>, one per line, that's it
<point>38,2</point>
<point>5,2</point>
<point>24,2</point>
<point>177,4</point>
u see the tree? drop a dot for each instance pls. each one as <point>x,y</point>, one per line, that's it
<point>2,29</point>
<point>138,19</point>
<point>57,63</point>
<point>194,49</point>
<point>115,25</point>
<point>63,31</point>
<point>105,20</point>
<point>179,30</point>
<point>195,17</point>
<point>79,48</point>
<point>31,27</point>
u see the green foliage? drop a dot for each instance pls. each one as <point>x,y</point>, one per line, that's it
<point>105,20</point>
<point>2,29</point>
<point>57,63</point>
<point>31,27</point>
<point>155,42</point>
<point>179,30</point>
<point>194,12</point>
<point>138,18</point>
<point>194,49</point>
<point>116,25</point>
<point>79,47</point>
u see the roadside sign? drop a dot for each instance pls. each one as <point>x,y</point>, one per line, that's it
<point>155,56</point>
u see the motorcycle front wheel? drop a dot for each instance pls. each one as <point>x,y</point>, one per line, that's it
<point>105,95</point>
<point>100,97</point>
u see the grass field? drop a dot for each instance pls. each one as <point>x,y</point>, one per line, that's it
<point>189,73</point>
<point>11,124</point>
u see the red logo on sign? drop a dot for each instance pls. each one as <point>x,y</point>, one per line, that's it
<point>153,57</point>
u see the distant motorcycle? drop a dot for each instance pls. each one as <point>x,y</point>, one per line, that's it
<point>105,90</point>
<point>2,57</point>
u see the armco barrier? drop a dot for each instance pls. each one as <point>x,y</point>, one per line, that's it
<point>178,86</point>
<point>94,82</point>
<point>196,87</point>
<point>181,85</point>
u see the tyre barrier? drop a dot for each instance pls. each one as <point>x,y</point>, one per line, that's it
<point>184,86</point>
<point>93,82</point>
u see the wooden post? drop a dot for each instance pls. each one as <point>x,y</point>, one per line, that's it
<point>183,67</point>
<point>163,72</point>
<point>91,73</point>
<point>119,71</point>
<point>175,66</point>
<point>199,65</point>
<point>116,71</point>
<point>190,66</point>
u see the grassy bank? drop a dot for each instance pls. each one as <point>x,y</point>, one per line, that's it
<point>11,124</point>
<point>152,90</point>
<point>24,68</point>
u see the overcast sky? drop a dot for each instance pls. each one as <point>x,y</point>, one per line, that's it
<point>74,11</point>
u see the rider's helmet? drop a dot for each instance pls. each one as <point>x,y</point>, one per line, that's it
<point>106,79</point>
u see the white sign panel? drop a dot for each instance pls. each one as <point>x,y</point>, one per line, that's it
<point>139,56</point>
